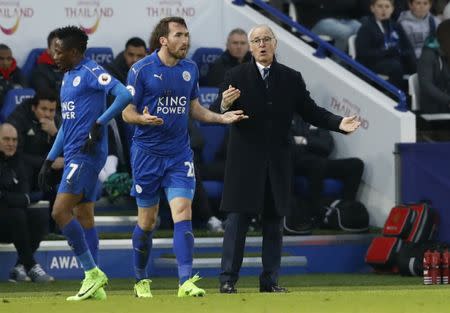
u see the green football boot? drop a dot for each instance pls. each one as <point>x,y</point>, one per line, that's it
<point>142,289</point>
<point>189,289</point>
<point>94,280</point>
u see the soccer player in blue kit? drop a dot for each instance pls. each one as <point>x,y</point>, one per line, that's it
<point>164,86</point>
<point>82,139</point>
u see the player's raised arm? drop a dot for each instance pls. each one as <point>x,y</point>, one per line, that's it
<point>202,114</point>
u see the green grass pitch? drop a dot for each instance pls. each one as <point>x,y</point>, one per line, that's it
<point>308,293</point>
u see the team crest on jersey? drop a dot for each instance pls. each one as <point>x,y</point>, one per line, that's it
<point>186,76</point>
<point>131,90</point>
<point>76,81</point>
<point>104,79</point>
<point>138,188</point>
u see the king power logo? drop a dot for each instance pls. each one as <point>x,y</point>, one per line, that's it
<point>88,14</point>
<point>11,14</point>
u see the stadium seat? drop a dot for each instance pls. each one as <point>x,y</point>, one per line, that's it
<point>204,57</point>
<point>207,96</point>
<point>213,136</point>
<point>332,188</point>
<point>12,99</point>
<point>30,62</point>
<point>101,55</point>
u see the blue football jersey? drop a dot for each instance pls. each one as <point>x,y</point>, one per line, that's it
<point>167,92</point>
<point>83,100</point>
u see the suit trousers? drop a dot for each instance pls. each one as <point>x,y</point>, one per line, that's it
<point>234,242</point>
<point>25,228</point>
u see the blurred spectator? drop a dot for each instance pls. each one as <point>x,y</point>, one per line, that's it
<point>418,23</point>
<point>399,6</point>
<point>37,124</point>
<point>135,49</point>
<point>336,19</point>
<point>23,226</point>
<point>10,74</point>
<point>434,72</point>
<point>382,45</point>
<point>237,52</point>
<point>46,75</point>
<point>312,148</point>
<point>438,8</point>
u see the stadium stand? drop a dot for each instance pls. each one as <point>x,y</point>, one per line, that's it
<point>207,95</point>
<point>204,57</point>
<point>13,98</point>
<point>30,62</point>
<point>101,55</point>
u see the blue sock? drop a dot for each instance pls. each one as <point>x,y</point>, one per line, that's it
<point>183,246</point>
<point>92,242</point>
<point>75,237</point>
<point>142,246</point>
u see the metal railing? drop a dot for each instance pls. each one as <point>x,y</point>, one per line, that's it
<point>323,47</point>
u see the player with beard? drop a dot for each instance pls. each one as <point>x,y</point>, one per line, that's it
<point>164,86</point>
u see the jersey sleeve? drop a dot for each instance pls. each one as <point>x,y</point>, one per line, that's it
<point>135,86</point>
<point>195,85</point>
<point>102,80</point>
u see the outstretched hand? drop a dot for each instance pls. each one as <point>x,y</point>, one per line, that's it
<point>229,96</point>
<point>233,116</point>
<point>349,124</point>
<point>147,119</point>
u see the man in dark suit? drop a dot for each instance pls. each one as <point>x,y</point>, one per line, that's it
<point>259,167</point>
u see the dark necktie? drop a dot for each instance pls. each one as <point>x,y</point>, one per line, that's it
<point>266,76</point>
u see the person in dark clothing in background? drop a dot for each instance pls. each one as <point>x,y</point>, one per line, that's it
<point>312,148</point>
<point>382,45</point>
<point>337,19</point>
<point>434,72</point>
<point>10,74</point>
<point>37,123</point>
<point>46,75</point>
<point>236,53</point>
<point>135,49</point>
<point>23,226</point>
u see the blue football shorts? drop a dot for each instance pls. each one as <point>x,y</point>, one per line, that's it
<point>152,173</point>
<point>80,177</point>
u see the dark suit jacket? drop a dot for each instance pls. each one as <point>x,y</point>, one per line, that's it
<point>260,148</point>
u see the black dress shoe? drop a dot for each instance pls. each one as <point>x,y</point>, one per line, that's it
<point>227,288</point>
<point>272,288</point>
